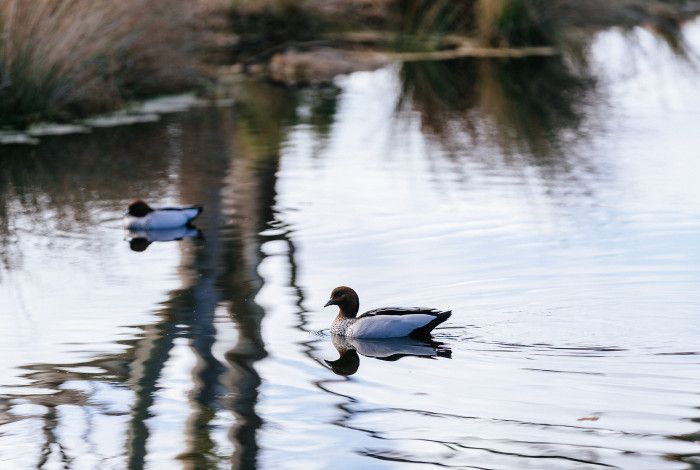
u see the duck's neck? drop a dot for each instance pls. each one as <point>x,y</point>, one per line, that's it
<point>349,309</point>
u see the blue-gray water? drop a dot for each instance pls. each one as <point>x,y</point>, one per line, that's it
<point>556,212</point>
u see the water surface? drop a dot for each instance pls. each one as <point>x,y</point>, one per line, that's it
<point>553,207</point>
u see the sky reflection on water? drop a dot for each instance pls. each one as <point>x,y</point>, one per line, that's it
<point>560,222</point>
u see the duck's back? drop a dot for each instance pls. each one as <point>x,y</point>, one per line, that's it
<point>395,322</point>
<point>164,218</point>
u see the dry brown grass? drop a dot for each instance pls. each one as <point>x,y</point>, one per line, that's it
<point>488,13</point>
<point>62,58</point>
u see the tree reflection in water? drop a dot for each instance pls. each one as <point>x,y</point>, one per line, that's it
<point>227,165</point>
<point>227,162</point>
<point>527,105</point>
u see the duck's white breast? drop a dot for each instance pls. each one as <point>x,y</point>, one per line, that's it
<point>387,326</point>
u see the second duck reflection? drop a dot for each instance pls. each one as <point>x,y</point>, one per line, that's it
<point>139,240</point>
<point>350,350</point>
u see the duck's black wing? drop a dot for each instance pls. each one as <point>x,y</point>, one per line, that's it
<point>423,331</point>
<point>196,207</point>
<point>193,210</point>
<point>402,311</point>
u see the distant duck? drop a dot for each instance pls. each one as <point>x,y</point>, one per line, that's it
<point>141,216</point>
<point>389,322</point>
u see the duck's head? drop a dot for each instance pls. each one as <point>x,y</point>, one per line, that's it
<point>138,208</point>
<point>139,244</point>
<point>346,364</point>
<point>346,299</point>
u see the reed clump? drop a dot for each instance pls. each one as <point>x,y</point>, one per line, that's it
<point>414,25</point>
<point>61,59</point>
<point>515,23</point>
<point>420,23</point>
<point>494,23</point>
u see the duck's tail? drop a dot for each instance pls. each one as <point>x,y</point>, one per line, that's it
<point>192,212</point>
<point>424,331</point>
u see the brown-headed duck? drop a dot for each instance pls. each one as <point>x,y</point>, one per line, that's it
<point>388,322</point>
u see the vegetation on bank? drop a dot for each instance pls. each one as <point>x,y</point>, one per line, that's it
<point>264,25</point>
<point>62,59</point>
<point>494,23</point>
<point>308,41</point>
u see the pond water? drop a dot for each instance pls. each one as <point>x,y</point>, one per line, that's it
<point>553,207</point>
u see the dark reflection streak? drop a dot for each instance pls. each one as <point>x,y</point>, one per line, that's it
<point>563,371</point>
<point>293,274</point>
<point>549,347</point>
<point>45,450</point>
<point>515,351</point>
<point>309,345</point>
<point>581,446</point>
<point>540,349</point>
<point>500,420</point>
<point>451,445</point>
<point>344,407</point>
<point>208,369</point>
<point>252,189</point>
<point>49,431</point>
<point>87,433</point>
<point>242,357</point>
<point>499,452</point>
<point>204,296</point>
<point>156,355</point>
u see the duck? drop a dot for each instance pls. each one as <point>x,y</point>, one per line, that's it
<point>387,322</point>
<point>141,216</point>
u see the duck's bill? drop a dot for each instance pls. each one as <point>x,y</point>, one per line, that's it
<point>330,302</point>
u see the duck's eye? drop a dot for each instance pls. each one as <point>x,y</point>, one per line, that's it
<point>337,294</point>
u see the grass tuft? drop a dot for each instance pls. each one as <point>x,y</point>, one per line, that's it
<point>514,23</point>
<point>61,59</point>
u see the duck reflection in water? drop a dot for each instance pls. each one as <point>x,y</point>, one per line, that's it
<point>139,240</point>
<point>392,349</point>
